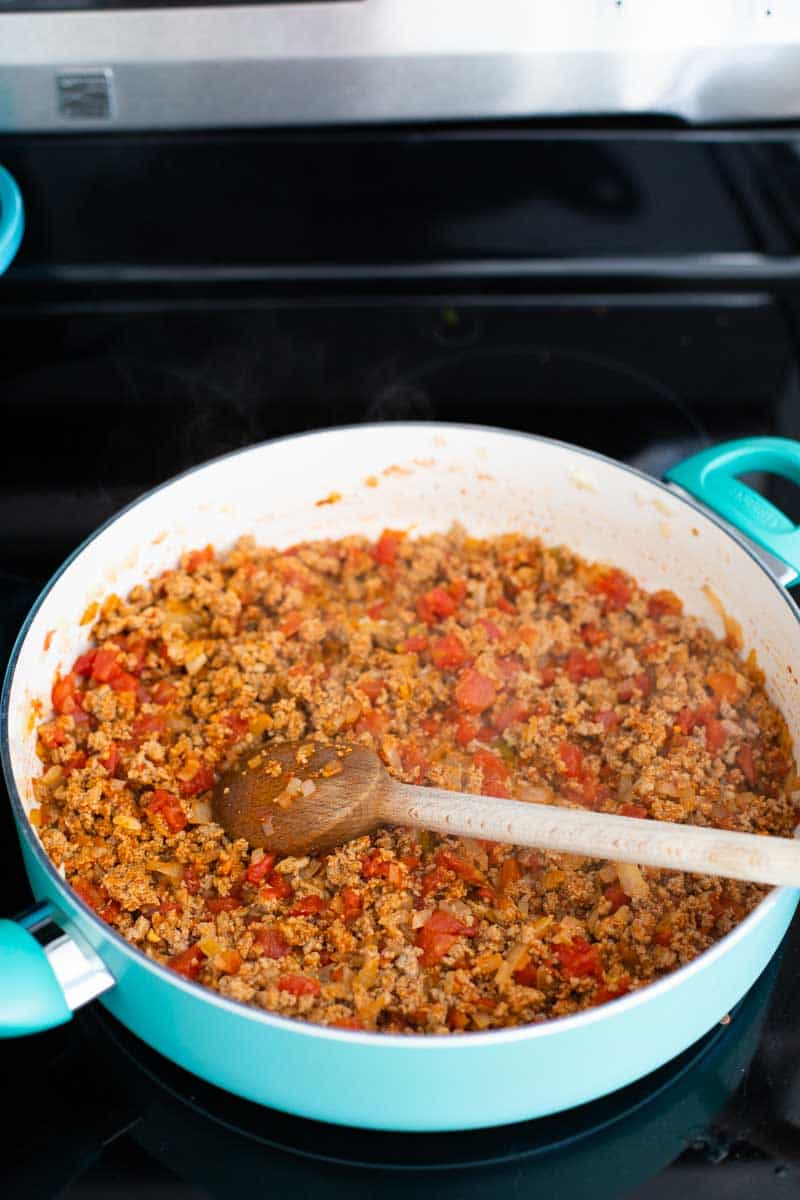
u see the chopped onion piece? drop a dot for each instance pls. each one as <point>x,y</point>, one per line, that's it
<point>195,664</point>
<point>420,917</point>
<point>532,793</point>
<point>516,958</point>
<point>126,822</point>
<point>632,881</point>
<point>172,869</point>
<point>201,812</point>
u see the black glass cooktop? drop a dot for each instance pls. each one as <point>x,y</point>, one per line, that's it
<point>103,399</point>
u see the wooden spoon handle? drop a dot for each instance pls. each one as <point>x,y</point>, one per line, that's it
<point>705,850</point>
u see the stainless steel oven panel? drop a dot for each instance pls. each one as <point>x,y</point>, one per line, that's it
<point>396,60</point>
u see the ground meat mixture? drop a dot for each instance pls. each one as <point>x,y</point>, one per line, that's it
<point>496,666</point>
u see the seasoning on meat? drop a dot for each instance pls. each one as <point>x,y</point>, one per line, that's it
<point>496,666</point>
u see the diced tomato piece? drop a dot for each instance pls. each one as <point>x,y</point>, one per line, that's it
<point>371,688</point>
<point>124,681</point>
<point>634,810</point>
<point>93,894</point>
<point>572,759</point>
<point>716,737</point>
<point>592,634</point>
<point>191,880</point>
<point>448,652</point>
<point>238,727</point>
<point>606,993</point>
<point>457,589</point>
<point>641,683</point>
<point>580,667</point>
<point>589,792</point>
<point>188,962</point>
<point>52,735</point>
<point>723,685</point>
<point>451,861</point>
<point>644,683</point>
<point>431,726</point>
<point>351,903</point>
<point>66,695</point>
<point>299,985</point>
<point>411,861</point>
<point>110,759</point>
<point>164,692</point>
<point>218,904</point>
<point>579,958</point>
<point>509,666</point>
<point>374,866</point>
<point>347,1023</point>
<point>136,651</point>
<point>414,762</point>
<point>374,722</point>
<point>615,896</point>
<point>744,760</point>
<point>260,869</point>
<point>686,720</point>
<point>608,719</point>
<point>509,873</point>
<point>466,731</point>
<point>415,644</point>
<point>663,935</point>
<point>271,943</point>
<point>496,775</point>
<point>474,692</point>
<point>290,625</point>
<point>83,663</point>
<point>385,549</point>
<point>202,781</point>
<point>438,934</point>
<point>198,558</point>
<point>309,906</point>
<point>168,906</point>
<point>514,712</point>
<point>493,632</point>
<point>277,887</point>
<point>435,605</point>
<point>105,665</point>
<point>149,726</point>
<point>169,806</point>
<point>664,603</point>
<point>505,605</point>
<point>432,880</point>
<point>614,588</point>
<point>527,976</point>
<point>548,676</point>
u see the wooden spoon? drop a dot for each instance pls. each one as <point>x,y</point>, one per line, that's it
<point>304,798</point>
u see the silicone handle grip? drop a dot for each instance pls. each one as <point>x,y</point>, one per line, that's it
<point>12,218</point>
<point>31,998</point>
<point>711,477</point>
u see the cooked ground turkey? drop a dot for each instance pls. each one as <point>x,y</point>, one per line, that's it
<point>496,666</point>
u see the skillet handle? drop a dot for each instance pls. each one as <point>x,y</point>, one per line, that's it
<point>43,984</point>
<point>712,478</point>
<point>12,218</point>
